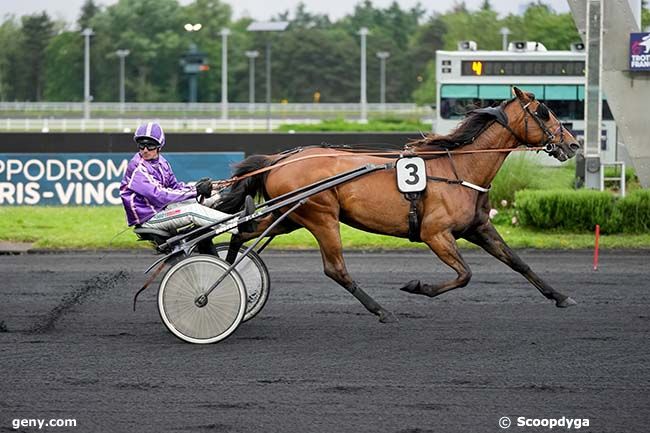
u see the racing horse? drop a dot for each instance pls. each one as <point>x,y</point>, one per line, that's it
<point>454,204</point>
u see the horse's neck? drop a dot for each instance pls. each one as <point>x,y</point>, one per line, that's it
<point>481,168</point>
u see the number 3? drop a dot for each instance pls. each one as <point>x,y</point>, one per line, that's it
<point>413,174</point>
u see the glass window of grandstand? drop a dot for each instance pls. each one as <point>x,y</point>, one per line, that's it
<point>566,101</point>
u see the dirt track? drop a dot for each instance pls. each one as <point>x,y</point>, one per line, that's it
<point>314,360</point>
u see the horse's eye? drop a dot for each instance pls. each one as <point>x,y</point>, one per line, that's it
<point>543,113</point>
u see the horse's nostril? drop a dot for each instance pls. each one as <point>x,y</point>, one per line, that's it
<point>574,146</point>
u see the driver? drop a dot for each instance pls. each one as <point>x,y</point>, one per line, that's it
<point>154,198</point>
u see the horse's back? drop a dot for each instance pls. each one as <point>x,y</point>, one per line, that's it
<point>370,202</point>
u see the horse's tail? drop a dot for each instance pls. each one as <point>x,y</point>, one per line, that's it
<point>233,199</point>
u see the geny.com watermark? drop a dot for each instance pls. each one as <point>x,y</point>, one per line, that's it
<point>550,423</point>
<point>40,423</point>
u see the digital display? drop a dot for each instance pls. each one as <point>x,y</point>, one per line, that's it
<point>524,67</point>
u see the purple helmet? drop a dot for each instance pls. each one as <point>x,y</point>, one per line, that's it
<point>150,131</point>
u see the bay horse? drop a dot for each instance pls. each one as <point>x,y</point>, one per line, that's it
<point>449,210</point>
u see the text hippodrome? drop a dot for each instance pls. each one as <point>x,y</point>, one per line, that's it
<point>53,170</point>
<point>67,181</point>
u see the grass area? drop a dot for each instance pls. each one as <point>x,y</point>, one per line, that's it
<point>94,228</point>
<point>523,171</point>
<point>374,125</point>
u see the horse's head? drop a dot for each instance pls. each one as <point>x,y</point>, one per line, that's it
<point>537,126</point>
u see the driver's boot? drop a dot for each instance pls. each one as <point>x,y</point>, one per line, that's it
<point>249,209</point>
<point>206,247</point>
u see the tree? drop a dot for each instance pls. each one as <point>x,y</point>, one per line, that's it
<point>37,31</point>
<point>10,36</point>
<point>88,10</point>
<point>40,60</point>
<point>64,65</point>
<point>151,30</point>
<point>555,31</point>
<point>481,26</point>
<point>302,18</point>
<point>306,61</point>
<point>426,93</point>
<point>429,38</point>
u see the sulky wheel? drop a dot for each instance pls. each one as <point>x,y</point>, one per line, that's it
<point>256,279</point>
<point>186,281</point>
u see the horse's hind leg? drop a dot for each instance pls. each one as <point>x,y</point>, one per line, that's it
<point>329,241</point>
<point>444,245</point>
<point>487,237</point>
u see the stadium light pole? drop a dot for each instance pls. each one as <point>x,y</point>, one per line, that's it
<point>363,32</point>
<point>87,33</point>
<point>382,55</point>
<point>266,26</point>
<point>192,79</point>
<point>122,54</point>
<point>505,31</point>
<point>252,55</point>
<point>224,72</point>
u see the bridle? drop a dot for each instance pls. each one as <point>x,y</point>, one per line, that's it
<point>547,145</point>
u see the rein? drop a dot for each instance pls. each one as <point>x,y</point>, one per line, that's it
<point>226,182</point>
<point>547,146</point>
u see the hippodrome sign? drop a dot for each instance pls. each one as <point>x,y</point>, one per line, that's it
<point>640,51</point>
<point>91,178</point>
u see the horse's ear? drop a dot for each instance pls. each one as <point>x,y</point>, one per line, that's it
<point>521,95</point>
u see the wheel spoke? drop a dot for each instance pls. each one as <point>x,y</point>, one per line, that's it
<point>256,279</point>
<point>186,281</point>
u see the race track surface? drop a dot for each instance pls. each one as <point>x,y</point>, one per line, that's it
<point>315,361</point>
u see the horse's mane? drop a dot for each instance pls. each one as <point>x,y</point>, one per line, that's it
<point>475,122</point>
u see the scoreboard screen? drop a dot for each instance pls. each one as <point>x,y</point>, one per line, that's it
<point>522,67</point>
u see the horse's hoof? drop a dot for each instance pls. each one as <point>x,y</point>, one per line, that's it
<point>412,286</point>
<point>386,316</point>
<point>566,302</point>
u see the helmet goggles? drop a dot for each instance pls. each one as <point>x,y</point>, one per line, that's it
<point>148,143</point>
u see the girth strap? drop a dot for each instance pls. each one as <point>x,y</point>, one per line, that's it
<point>414,218</point>
<point>458,180</point>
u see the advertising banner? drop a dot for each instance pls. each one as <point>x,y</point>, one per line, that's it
<point>91,178</point>
<point>640,51</point>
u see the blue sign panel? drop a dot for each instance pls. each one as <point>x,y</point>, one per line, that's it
<point>640,51</point>
<point>91,178</point>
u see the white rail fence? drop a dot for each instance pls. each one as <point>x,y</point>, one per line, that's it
<point>208,125</point>
<point>196,117</point>
<point>213,107</point>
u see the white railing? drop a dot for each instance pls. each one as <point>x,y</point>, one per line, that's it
<point>212,108</point>
<point>128,125</point>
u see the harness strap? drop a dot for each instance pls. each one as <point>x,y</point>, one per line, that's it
<point>464,183</point>
<point>225,182</point>
<point>444,179</point>
<point>453,165</point>
<point>414,218</point>
<point>458,180</point>
<point>475,187</point>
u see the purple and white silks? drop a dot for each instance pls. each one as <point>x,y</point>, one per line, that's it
<point>148,187</point>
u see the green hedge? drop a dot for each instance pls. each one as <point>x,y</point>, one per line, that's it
<point>523,172</point>
<point>582,210</point>
<point>632,214</point>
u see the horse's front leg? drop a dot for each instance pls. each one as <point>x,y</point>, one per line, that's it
<point>487,237</point>
<point>443,244</point>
